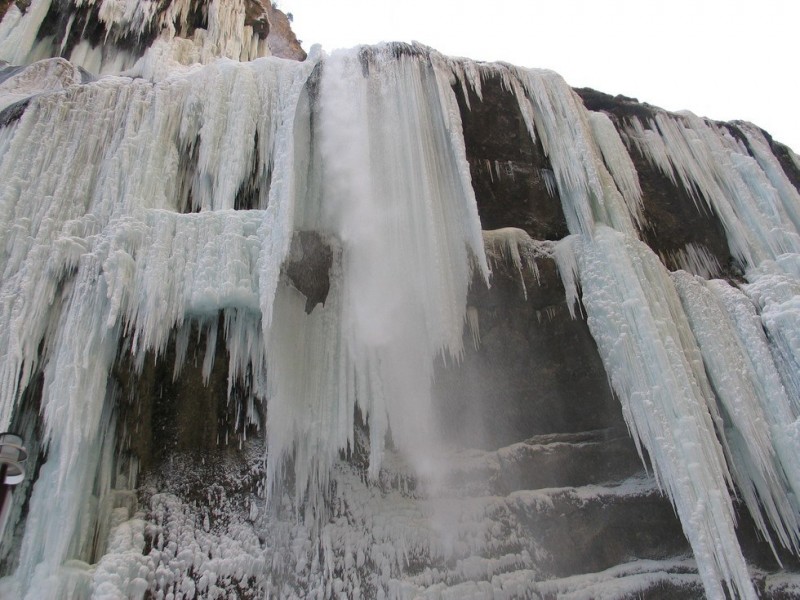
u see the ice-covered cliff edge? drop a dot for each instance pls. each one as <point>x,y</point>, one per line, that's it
<point>248,336</point>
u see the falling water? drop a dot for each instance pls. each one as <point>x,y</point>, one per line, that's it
<point>167,201</point>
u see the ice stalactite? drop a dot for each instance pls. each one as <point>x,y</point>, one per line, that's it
<point>716,169</point>
<point>757,411</point>
<point>734,172</point>
<point>695,259</point>
<point>129,143</point>
<point>152,38</point>
<point>394,191</point>
<point>755,202</point>
<point>95,177</point>
<point>781,410</point>
<point>759,147</point>
<point>99,250</point>
<point>655,368</point>
<point>78,419</point>
<point>514,245</point>
<point>777,298</point>
<point>642,333</point>
<point>18,31</point>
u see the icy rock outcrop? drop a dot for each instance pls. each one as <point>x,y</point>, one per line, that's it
<point>259,344</point>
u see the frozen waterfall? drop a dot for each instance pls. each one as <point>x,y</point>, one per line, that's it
<point>180,208</point>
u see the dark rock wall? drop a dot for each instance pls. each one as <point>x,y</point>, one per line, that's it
<point>507,167</point>
<point>672,218</point>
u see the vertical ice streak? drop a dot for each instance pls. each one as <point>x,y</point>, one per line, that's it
<point>619,164</point>
<point>280,164</point>
<point>715,168</point>
<point>95,250</point>
<point>754,415</point>
<point>643,336</point>
<point>393,194</point>
<point>777,299</point>
<point>18,31</point>
<point>781,412</point>
<point>648,349</point>
<point>744,184</point>
<point>759,148</point>
<point>74,402</point>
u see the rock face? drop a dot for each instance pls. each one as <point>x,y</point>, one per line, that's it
<point>160,298</point>
<point>113,37</point>
<point>668,208</point>
<point>509,171</point>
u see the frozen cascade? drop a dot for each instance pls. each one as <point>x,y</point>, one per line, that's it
<point>168,27</point>
<point>406,220</point>
<point>756,455</point>
<point>757,205</point>
<point>116,233</point>
<point>715,167</point>
<point>87,256</point>
<point>126,139</point>
<point>636,318</point>
<point>161,207</point>
<point>655,368</point>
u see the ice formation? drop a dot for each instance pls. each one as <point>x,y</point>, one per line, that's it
<point>161,202</point>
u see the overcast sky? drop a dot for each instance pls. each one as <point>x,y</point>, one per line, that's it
<point>726,60</point>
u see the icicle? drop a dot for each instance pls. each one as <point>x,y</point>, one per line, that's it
<point>762,152</point>
<point>18,31</point>
<point>712,166</point>
<point>93,248</point>
<point>619,163</point>
<point>310,409</point>
<point>563,128</point>
<point>365,147</point>
<point>550,182</point>
<point>77,414</point>
<point>565,254</point>
<point>782,414</point>
<point>225,36</point>
<point>474,325</point>
<point>655,368</point>
<point>695,259</point>
<point>517,246</point>
<point>394,192</point>
<point>748,423</point>
<point>276,228</point>
<point>777,298</point>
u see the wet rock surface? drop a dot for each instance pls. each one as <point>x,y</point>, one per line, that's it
<point>508,169</point>
<point>535,369</point>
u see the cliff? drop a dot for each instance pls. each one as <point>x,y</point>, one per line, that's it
<point>382,324</point>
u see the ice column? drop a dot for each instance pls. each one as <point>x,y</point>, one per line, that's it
<point>394,191</point>
<point>757,412</point>
<point>94,250</point>
<point>637,320</point>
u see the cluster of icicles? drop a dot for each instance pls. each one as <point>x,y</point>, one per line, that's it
<point>118,229</point>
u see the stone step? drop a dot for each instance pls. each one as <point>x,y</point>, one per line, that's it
<point>641,579</point>
<point>549,461</point>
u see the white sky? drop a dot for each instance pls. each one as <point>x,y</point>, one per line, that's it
<point>726,60</point>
